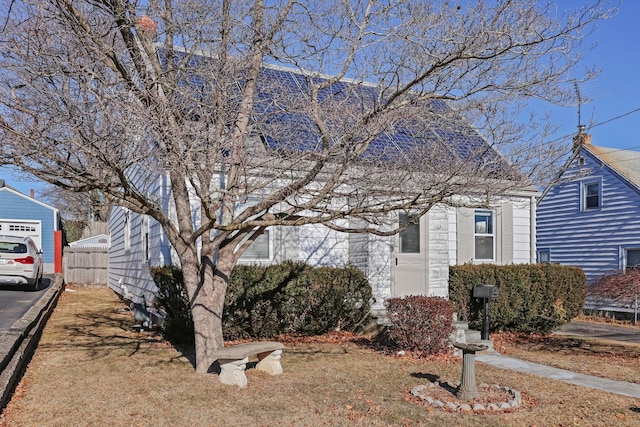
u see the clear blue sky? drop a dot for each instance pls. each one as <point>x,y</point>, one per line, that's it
<point>614,96</point>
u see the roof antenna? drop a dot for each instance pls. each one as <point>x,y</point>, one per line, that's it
<point>577,140</point>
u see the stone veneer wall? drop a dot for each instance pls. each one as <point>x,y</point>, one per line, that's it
<point>438,252</point>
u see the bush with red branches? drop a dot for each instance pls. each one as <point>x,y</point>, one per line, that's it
<point>621,288</point>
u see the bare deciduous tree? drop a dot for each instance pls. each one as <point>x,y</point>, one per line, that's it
<point>110,95</point>
<point>86,206</point>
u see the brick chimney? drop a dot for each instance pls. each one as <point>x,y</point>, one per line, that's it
<point>581,138</point>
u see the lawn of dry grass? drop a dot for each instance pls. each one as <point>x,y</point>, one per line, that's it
<point>92,369</point>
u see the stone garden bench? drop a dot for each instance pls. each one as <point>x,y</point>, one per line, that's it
<point>233,360</point>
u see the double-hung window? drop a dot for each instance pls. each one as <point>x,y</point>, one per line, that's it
<point>591,195</point>
<point>484,235</point>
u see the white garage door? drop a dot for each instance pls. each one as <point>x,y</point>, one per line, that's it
<point>12,227</point>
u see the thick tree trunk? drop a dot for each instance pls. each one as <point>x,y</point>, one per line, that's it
<point>206,284</point>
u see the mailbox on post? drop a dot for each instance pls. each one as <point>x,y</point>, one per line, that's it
<point>486,293</point>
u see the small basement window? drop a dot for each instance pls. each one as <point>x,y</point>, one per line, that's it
<point>632,257</point>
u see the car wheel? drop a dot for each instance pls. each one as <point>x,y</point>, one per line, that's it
<point>36,285</point>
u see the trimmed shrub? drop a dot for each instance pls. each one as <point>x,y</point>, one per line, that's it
<point>533,297</point>
<point>172,301</point>
<point>265,301</point>
<point>421,324</point>
<point>294,298</point>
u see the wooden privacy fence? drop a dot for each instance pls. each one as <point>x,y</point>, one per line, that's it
<point>87,266</point>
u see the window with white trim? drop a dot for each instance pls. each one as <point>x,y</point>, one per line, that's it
<point>260,249</point>
<point>632,258</point>
<point>127,230</point>
<point>591,195</point>
<point>544,255</point>
<point>144,234</point>
<point>484,235</point>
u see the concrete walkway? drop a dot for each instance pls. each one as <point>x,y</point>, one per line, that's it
<point>586,329</point>
<point>610,386</point>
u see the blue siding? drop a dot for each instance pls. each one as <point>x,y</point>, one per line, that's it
<point>14,205</point>
<point>127,266</point>
<point>591,239</point>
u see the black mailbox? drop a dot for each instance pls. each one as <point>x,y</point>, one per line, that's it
<point>486,291</point>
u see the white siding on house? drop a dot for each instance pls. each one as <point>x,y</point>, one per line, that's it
<point>513,231</point>
<point>453,233</point>
<point>522,233</point>
<point>379,268</point>
<point>320,245</point>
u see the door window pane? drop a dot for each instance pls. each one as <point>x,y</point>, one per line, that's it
<point>409,238</point>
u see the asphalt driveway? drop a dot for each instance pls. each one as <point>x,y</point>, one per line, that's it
<point>601,330</point>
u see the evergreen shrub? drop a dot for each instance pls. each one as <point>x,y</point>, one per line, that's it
<point>172,301</point>
<point>532,297</point>
<point>295,298</point>
<point>421,324</point>
<point>265,301</point>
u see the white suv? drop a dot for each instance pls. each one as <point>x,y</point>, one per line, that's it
<point>20,261</point>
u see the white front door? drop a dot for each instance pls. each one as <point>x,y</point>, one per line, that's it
<point>411,259</point>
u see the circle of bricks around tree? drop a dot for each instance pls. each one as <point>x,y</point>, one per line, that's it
<point>432,393</point>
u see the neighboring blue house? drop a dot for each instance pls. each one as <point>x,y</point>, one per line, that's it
<point>591,217</point>
<point>22,215</point>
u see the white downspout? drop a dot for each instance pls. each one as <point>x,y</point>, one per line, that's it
<point>532,219</point>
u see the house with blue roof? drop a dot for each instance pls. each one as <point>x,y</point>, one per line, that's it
<point>22,215</point>
<point>415,262</point>
<point>590,217</point>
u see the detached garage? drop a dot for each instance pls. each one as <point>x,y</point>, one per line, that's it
<point>21,215</point>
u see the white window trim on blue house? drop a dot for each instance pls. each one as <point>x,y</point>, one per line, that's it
<point>585,196</point>
<point>624,256</point>
<point>543,255</point>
